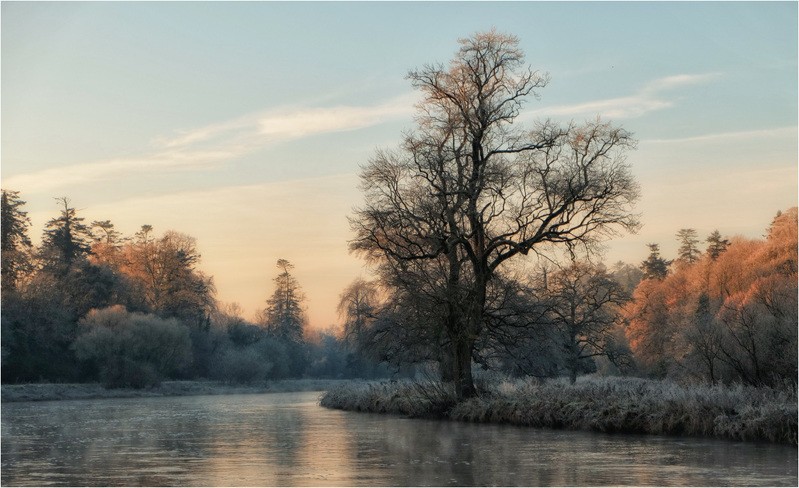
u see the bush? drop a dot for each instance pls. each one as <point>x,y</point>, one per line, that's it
<point>241,365</point>
<point>259,361</point>
<point>132,349</point>
<point>124,372</point>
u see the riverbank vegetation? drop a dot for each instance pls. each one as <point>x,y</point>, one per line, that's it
<point>612,405</point>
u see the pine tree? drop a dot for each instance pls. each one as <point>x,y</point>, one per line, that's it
<point>655,267</point>
<point>689,252</point>
<point>716,245</point>
<point>16,246</point>
<point>66,239</point>
<point>107,233</point>
<point>284,315</point>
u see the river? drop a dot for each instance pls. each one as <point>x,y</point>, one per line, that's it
<point>288,439</point>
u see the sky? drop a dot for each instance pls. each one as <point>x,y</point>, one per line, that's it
<point>245,124</point>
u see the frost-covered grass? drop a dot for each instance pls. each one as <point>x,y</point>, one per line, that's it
<point>77,391</point>
<point>613,405</point>
<point>415,399</point>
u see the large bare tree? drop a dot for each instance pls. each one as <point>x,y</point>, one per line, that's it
<point>471,190</point>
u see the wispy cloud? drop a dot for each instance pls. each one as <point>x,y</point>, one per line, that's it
<point>678,81</point>
<point>66,176</point>
<point>218,143</point>
<point>776,133</point>
<point>289,123</point>
<point>653,96</point>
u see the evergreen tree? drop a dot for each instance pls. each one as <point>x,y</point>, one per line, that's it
<point>107,244</point>
<point>689,252</point>
<point>16,246</point>
<point>716,245</point>
<point>655,267</point>
<point>66,240</point>
<point>106,233</point>
<point>284,316</point>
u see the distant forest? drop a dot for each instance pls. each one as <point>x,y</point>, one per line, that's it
<point>90,304</point>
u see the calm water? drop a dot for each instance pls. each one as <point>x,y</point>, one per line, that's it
<point>287,439</point>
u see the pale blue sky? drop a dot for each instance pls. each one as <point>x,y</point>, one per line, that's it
<point>244,124</point>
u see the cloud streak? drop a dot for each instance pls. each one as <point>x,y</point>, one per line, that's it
<point>290,123</point>
<point>650,98</point>
<point>217,144</point>
<point>776,133</point>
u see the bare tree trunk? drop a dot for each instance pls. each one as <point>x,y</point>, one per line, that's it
<point>464,383</point>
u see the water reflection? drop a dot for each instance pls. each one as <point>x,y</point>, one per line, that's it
<point>287,439</point>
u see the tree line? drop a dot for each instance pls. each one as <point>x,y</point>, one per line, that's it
<point>452,221</point>
<point>728,314</point>
<point>90,304</point>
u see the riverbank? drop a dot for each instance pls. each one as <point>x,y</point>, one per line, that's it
<point>612,405</point>
<point>86,391</point>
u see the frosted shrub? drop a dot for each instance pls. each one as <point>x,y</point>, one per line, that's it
<point>241,365</point>
<point>132,349</point>
<point>244,365</point>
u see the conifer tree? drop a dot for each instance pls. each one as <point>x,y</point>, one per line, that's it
<point>16,246</point>
<point>689,252</point>
<point>655,267</point>
<point>716,245</point>
<point>284,315</point>
<point>66,239</point>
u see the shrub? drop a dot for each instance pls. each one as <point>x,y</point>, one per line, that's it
<point>241,365</point>
<point>132,349</point>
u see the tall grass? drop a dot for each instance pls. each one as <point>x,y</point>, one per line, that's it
<point>613,405</point>
<point>414,399</point>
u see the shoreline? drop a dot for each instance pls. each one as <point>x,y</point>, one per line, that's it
<point>41,392</point>
<point>609,405</point>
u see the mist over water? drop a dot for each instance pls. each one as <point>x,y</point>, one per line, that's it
<point>288,439</point>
